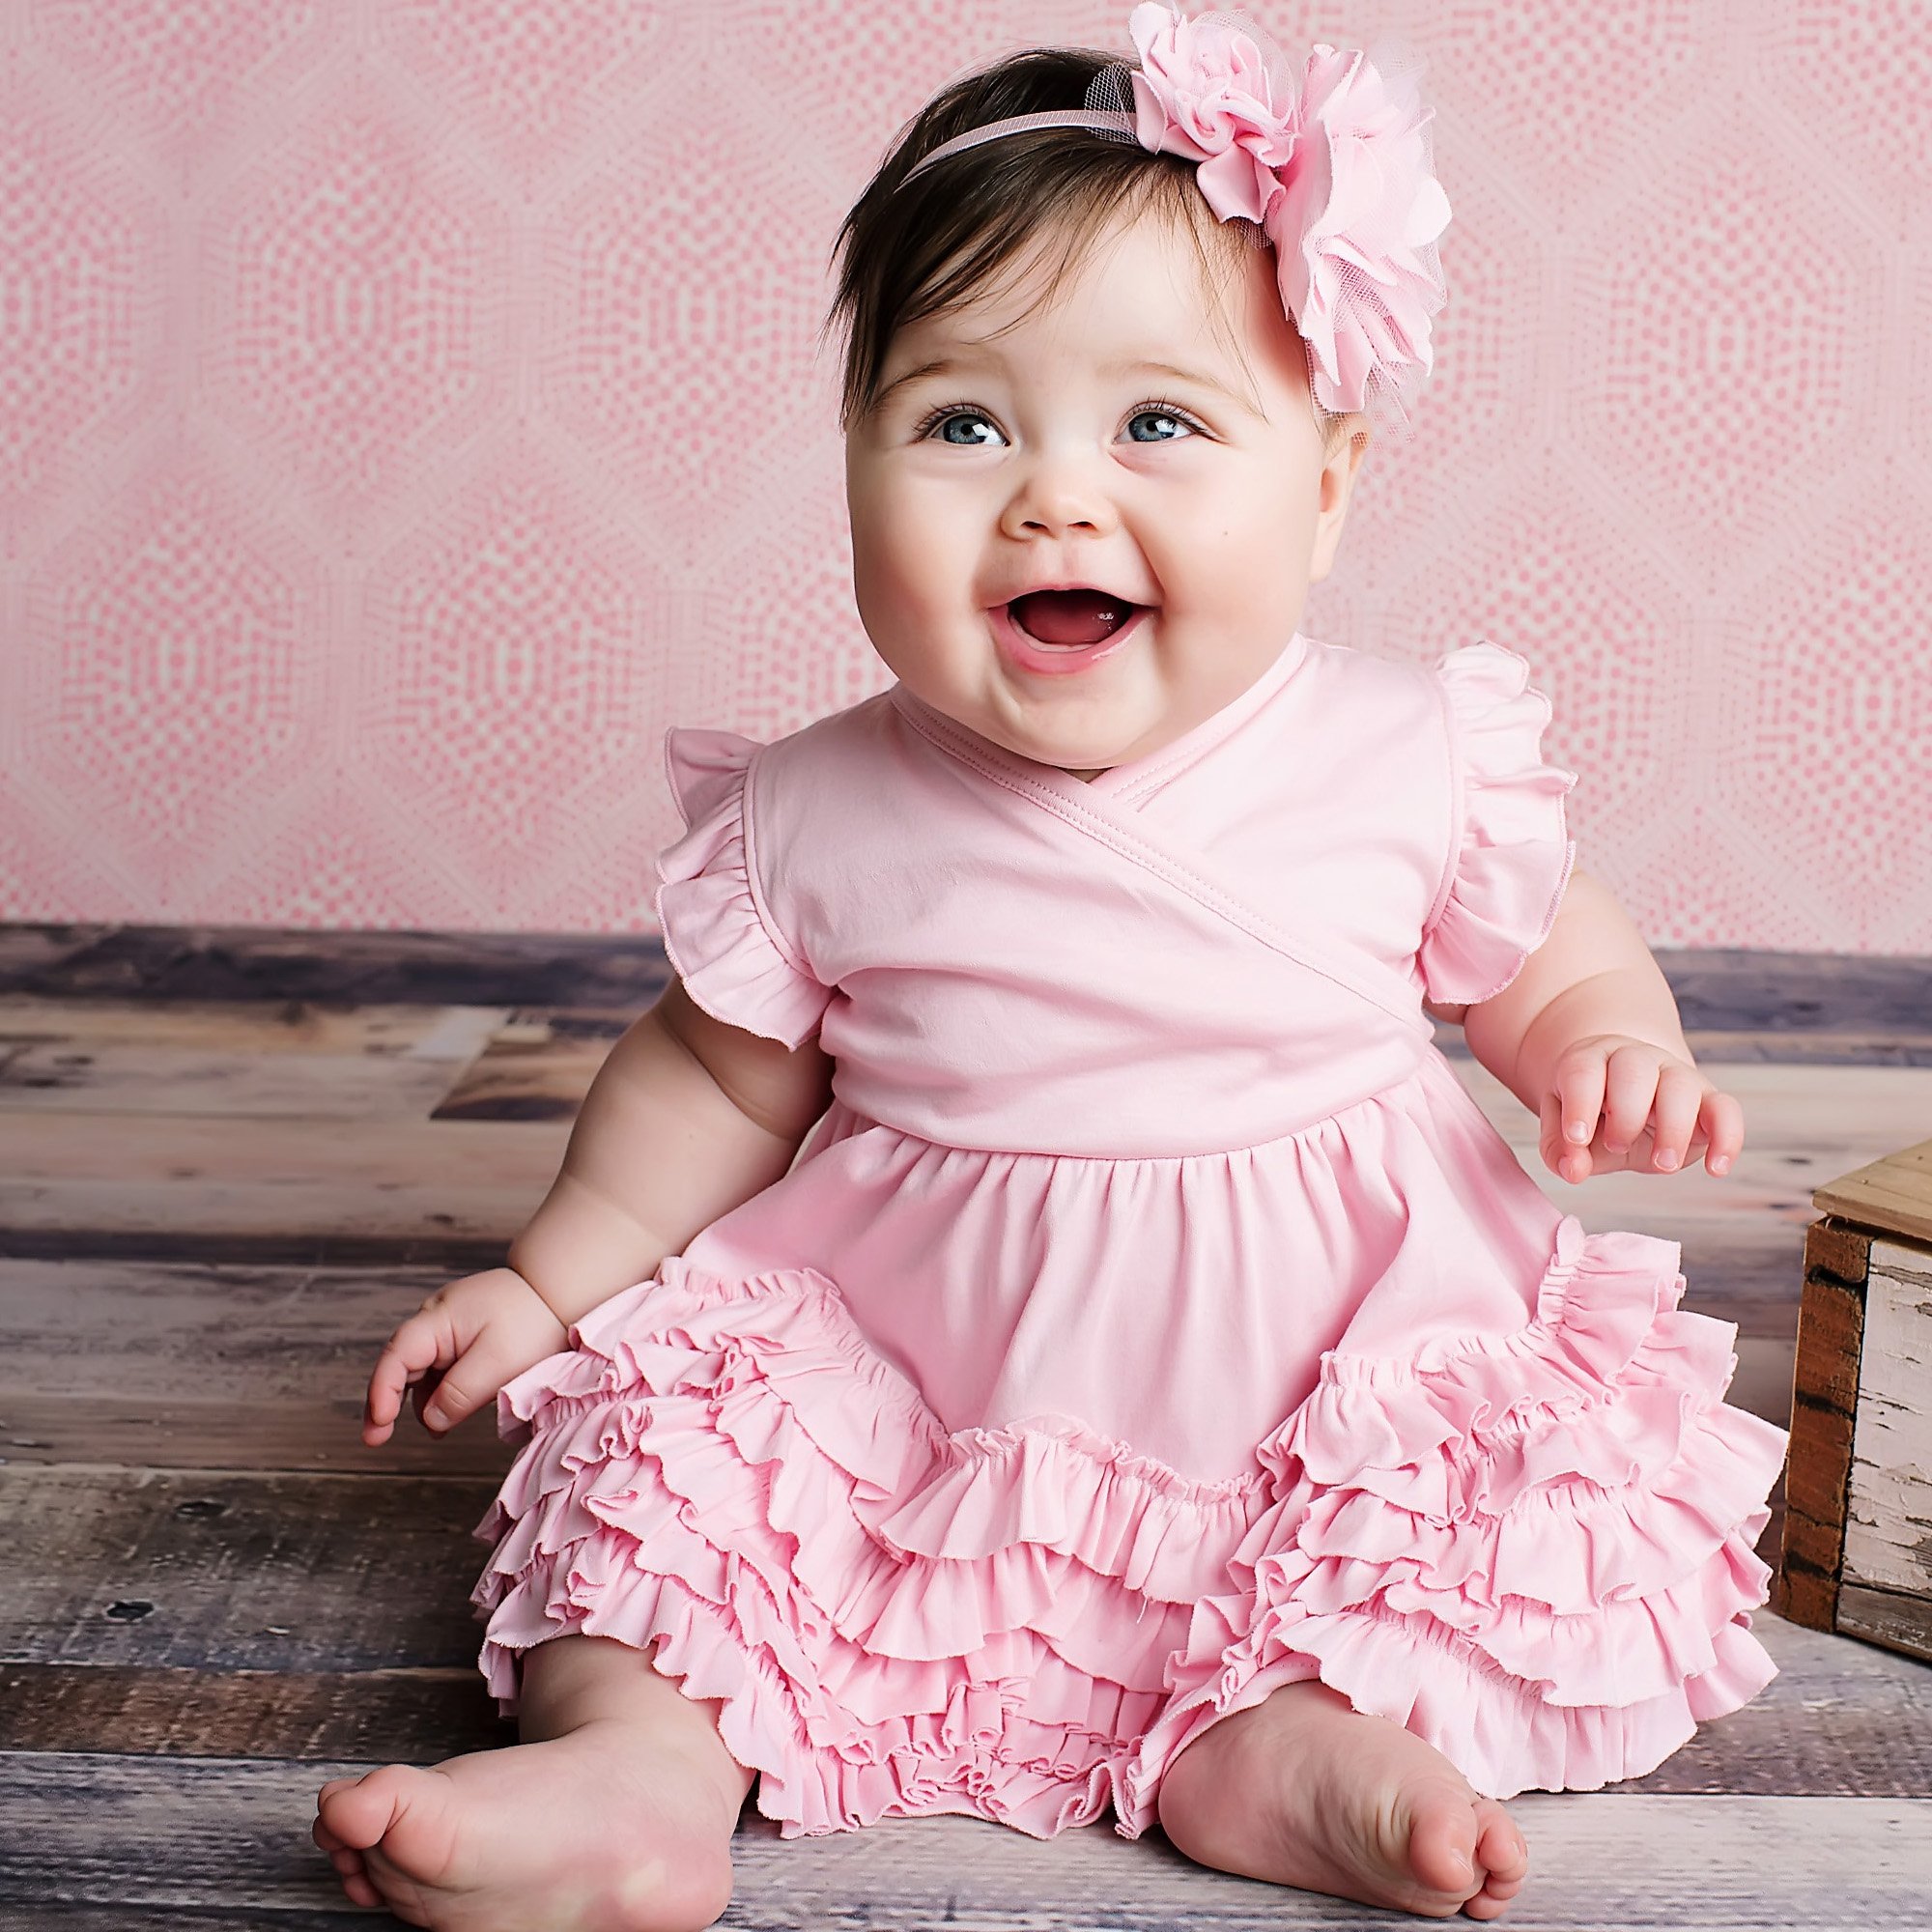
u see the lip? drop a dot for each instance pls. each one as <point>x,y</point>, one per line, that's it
<point>1026,654</point>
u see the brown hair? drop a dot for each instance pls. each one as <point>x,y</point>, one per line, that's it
<point>906,253</point>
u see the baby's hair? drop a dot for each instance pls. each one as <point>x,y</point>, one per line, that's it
<point>909,253</point>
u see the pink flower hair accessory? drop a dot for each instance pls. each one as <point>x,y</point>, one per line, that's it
<point>1333,163</point>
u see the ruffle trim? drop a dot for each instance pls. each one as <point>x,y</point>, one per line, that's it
<point>1513,855</point>
<point>874,1573</point>
<point>1534,1549</point>
<point>716,932</point>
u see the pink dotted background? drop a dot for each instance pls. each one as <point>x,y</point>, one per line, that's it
<point>408,408</point>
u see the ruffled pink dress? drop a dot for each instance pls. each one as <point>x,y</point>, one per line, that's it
<point>1154,1318</point>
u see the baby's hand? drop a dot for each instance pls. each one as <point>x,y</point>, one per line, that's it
<point>458,1349</point>
<point>1658,1112</point>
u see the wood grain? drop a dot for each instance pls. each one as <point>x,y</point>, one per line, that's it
<point>1892,1193</point>
<point>308,1180</point>
<point>1840,1718</point>
<point>214,1366</point>
<point>1888,1512</point>
<point>285,1060</point>
<point>1817,1471</point>
<point>214,1833</point>
<point>216,1571</point>
<point>385,1717</point>
<point>243,963</point>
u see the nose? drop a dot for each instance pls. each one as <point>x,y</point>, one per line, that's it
<point>1057,493</point>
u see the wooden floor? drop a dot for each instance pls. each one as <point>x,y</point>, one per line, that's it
<point>230,1162</point>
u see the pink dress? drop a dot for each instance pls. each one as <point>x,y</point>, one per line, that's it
<point>1154,1318</point>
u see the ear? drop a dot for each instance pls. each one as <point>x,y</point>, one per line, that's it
<point>1347,447</point>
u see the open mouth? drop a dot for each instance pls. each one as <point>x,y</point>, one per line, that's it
<point>1070,619</point>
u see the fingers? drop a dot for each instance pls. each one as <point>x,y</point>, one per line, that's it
<point>1580,1086</point>
<point>1634,1106</point>
<point>1569,1161</point>
<point>1723,1117</point>
<point>1680,1100</point>
<point>422,1343</point>
<point>1631,1087</point>
<point>463,1388</point>
<point>484,1364</point>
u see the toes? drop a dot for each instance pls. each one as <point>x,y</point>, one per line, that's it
<point>1441,1845</point>
<point>361,1892</point>
<point>356,1811</point>
<point>1500,1845</point>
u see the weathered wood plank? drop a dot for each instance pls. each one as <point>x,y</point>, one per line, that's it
<point>43,1916</point>
<point>1894,1193</point>
<point>165,1080</point>
<point>1903,1622</point>
<point>208,1834</point>
<point>420,1032</point>
<point>1824,1378</point>
<point>230,1367</point>
<point>1889,1517</point>
<point>260,1060</point>
<point>310,1434</point>
<point>385,1717</point>
<point>1752,990</point>
<point>240,1573</point>
<point>211,1368</point>
<point>392,1180</point>
<point>1840,1720</point>
<point>166,962</point>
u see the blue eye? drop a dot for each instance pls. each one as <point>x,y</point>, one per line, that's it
<point>1175,426</point>
<point>946,422</point>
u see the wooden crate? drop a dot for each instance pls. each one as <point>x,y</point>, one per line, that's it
<point>1857,1528</point>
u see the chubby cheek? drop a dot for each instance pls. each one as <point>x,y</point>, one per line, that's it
<point>1242,563</point>
<point>908,574</point>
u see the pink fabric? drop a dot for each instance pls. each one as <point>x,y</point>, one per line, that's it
<point>1154,1318</point>
<point>1335,163</point>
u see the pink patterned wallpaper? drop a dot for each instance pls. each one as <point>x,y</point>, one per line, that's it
<point>408,409</point>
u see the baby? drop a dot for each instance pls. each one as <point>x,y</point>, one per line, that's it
<point>1030,1323</point>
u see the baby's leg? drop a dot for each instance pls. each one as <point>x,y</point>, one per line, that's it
<point>1305,1790</point>
<point>614,1814</point>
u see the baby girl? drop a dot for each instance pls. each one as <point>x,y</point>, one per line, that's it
<point>1030,1324</point>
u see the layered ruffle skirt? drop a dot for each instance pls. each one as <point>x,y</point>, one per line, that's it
<point>1532,1548</point>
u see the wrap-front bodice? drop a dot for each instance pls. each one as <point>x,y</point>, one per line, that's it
<point>1205,949</point>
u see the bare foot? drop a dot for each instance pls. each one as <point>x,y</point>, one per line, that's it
<point>1305,1790</point>
<point>582,1833</point>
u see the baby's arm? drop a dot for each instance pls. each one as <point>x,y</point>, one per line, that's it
<point>1589,1027</point>
<point>687,1118</point>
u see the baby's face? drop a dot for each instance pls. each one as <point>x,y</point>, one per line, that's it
<point>1117,441</point>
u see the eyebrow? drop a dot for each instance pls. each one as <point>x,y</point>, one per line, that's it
<point>940,364</point>
<point>1182,374</point>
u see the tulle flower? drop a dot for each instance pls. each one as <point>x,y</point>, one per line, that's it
<point>1335,166</point>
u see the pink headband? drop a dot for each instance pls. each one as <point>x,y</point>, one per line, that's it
<point>1334,165</point>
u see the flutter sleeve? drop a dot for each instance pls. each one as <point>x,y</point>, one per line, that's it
<point>716,918</point>
<point>1511,857</point>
